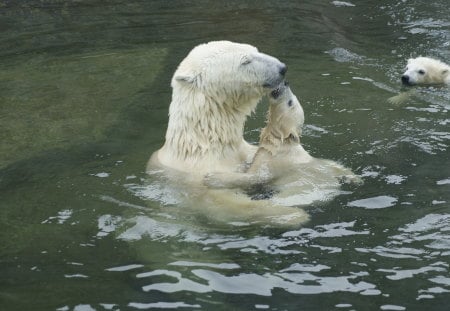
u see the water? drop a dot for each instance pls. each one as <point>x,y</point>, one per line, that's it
<point>84,93</point>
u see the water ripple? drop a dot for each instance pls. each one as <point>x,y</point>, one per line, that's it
<point>263,285</point>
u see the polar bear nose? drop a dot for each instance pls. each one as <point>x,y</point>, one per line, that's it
<point>283,69</point>
<point>405,79</point>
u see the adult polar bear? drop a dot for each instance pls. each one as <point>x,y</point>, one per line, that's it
<point>215,88</point>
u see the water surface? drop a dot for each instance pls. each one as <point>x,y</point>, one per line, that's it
<point>84,94</point>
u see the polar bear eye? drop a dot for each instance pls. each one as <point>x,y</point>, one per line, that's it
<point>290,103</point>
<point>422,72</point>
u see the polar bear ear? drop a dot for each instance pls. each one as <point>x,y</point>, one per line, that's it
<point>295,137</point>
<point>186,78</point>
<point>445,71</point>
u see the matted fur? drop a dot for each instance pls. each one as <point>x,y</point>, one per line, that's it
<point>281,136</point>
<point>426,71</point>
<point>281,162</point>
<point>215,88</point>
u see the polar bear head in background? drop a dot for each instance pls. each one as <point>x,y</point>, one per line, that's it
<point>215,88</point>
<point>426,71</point>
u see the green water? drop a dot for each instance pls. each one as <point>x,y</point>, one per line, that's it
<point>84,95</point>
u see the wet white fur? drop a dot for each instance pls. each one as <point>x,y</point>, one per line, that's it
<point>215,88</point>
<point>283,163</point>
<point>279,141</point>
<point>427,71</point>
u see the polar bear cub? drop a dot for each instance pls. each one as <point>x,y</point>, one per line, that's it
<point>279,144</point>
<point>426,71</point>
<point>286,173</point>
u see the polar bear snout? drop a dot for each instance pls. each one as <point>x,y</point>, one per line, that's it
<point>406,80</point>
<point>275,93</point>
<point>277,79</point>
<point>275,70</point>
<point>283,69</point>
<point>279,90</point>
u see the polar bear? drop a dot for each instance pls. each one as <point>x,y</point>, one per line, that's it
<point>282,170</point>
<point>279,144</point>
<point>426,71</point>
<point>215,88</point>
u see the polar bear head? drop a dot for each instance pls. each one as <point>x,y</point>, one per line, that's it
<point>215,88</point>
<point>426,71</point>
<point>229,72</point>
<point>286,116</point>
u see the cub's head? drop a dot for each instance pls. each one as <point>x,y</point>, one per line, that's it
<point>286,116</point>
<point>224,69</point>
<point>425,71</point>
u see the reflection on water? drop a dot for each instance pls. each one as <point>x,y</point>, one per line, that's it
<point>84,90</point>
<point>317,182</point>
<point>73,99</point>
<point>263,285</point>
